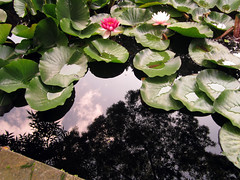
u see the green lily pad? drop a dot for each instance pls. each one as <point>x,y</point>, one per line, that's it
<point>42,97</point>
<point>24,31</point>
<point>228,6</point>
<point>85,33</point>
<point>22,7</point>
<point>134,16</point>
<point>50,10</point>
<point>17,74</point>
<point>191,29</point>
<point>107,50</point>
<point>213,82</point>
<point>206,4</point>
<point>5,30</point>
<point>184,6</point>
<point>97,4</point>
<point>62,65</point>
<point>75,10</point>
<point>6,53</point>
<point>156,91</point>
<point>219,20</point>
<point>202,50</point>
<point>155,63</point>
<point>5,1</point>
<point>229,137</point>
<point>228,105</point>
<point>3,15</point>
<point>199,13</point>
<point>186,90</point>
<point>151,36</point>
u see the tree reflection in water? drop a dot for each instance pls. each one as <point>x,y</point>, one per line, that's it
<point>130,142</point>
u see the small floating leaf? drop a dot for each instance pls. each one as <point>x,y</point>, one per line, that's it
<point>155,63</point>
<point>213,82</point>
<point>24,31</point>
<point>228,6</point>
<point>206,4</point>
<point>184,6</point>
<point>5,30</point>
<point>186,90</point>
<point>107,50</point>
<point>192,29</point>
<point>62,65</point>
<point>156,93</point>
<point>228,105</point>
<point>42,97</point>
<point>17,74</point>
<point>229,137</point>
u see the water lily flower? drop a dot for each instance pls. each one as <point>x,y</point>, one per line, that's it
<point>109,25</point>
<point>160,18</point>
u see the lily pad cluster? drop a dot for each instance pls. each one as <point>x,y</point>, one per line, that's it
<point>60,38</point>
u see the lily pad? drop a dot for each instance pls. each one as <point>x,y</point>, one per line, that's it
<point>134,16</point>
<point>6,53</point>
<point>213,82</point>
<point>199,13</point>
<point>229,137</point>
<point>3,15</point>
<point>5,30</point>
<point>228,6</point>
<point>152,36</point>
<point>17,74</point>
<point>42,97</point>
<point>202,50</point>
<point>191,29</point>
<point>107,50</point>
<point>5,1</point>
<point>74,10</point>
<point>219,20</point>
<point>62,65</point>
<point>206,4</point>
<point>184,6</point>
<point>186,90</point>
<point>155,92</point>
<point>22,7</point>
<point>24,31</point>
<point>156,63</point>
<point>228,105</point>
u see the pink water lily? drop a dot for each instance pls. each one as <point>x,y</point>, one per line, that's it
<point>109,25</point>
<point>160,18</point>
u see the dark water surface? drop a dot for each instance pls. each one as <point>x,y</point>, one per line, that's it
<point>105,131</point>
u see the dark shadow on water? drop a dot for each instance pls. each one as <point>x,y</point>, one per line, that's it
<point>132,141</point>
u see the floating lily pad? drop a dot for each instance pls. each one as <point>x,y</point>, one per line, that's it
<point>5,1</point>
<point>201,50</point>
<point>42,97</point>
<point>24,31</point>
<point>228,6</point>
<point>17,74</point>
<point>5,30</point>
<point>219,20</point>
<point>62,65</point>
<point>184,6</point>
<point>3,15</point>
<point>134,16</point>
<point>22,7</point>
<point>74,10</point>
<point>186,90</point>
<point>155,92</point>
<point>152,36</point>
<point>85,33</point>
<point>199,13</point>
<point>228,105</point>
<point>97,4</point>
<point>229,137</point>
<point>6,53</point>
<point>107,50</point>
<point>156,63</point>
<point>206,4</point>
<point>213,82</point>
<point>191,29</point>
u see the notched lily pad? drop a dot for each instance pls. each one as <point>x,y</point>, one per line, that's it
<point>62,65</point>
<point>43,97</point>
<point>156,91</point>
<point>17,74</point>
<point>156,63</point>
<point>229,137</point>
<point>186,90</point>
<point>228,105</point>
<point>107,50</point>
<point>191,29</point>
<point>213,82</point>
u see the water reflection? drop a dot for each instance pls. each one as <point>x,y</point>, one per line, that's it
<point>131,141</point>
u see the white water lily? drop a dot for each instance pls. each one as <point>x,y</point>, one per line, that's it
<point>160,18</point>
